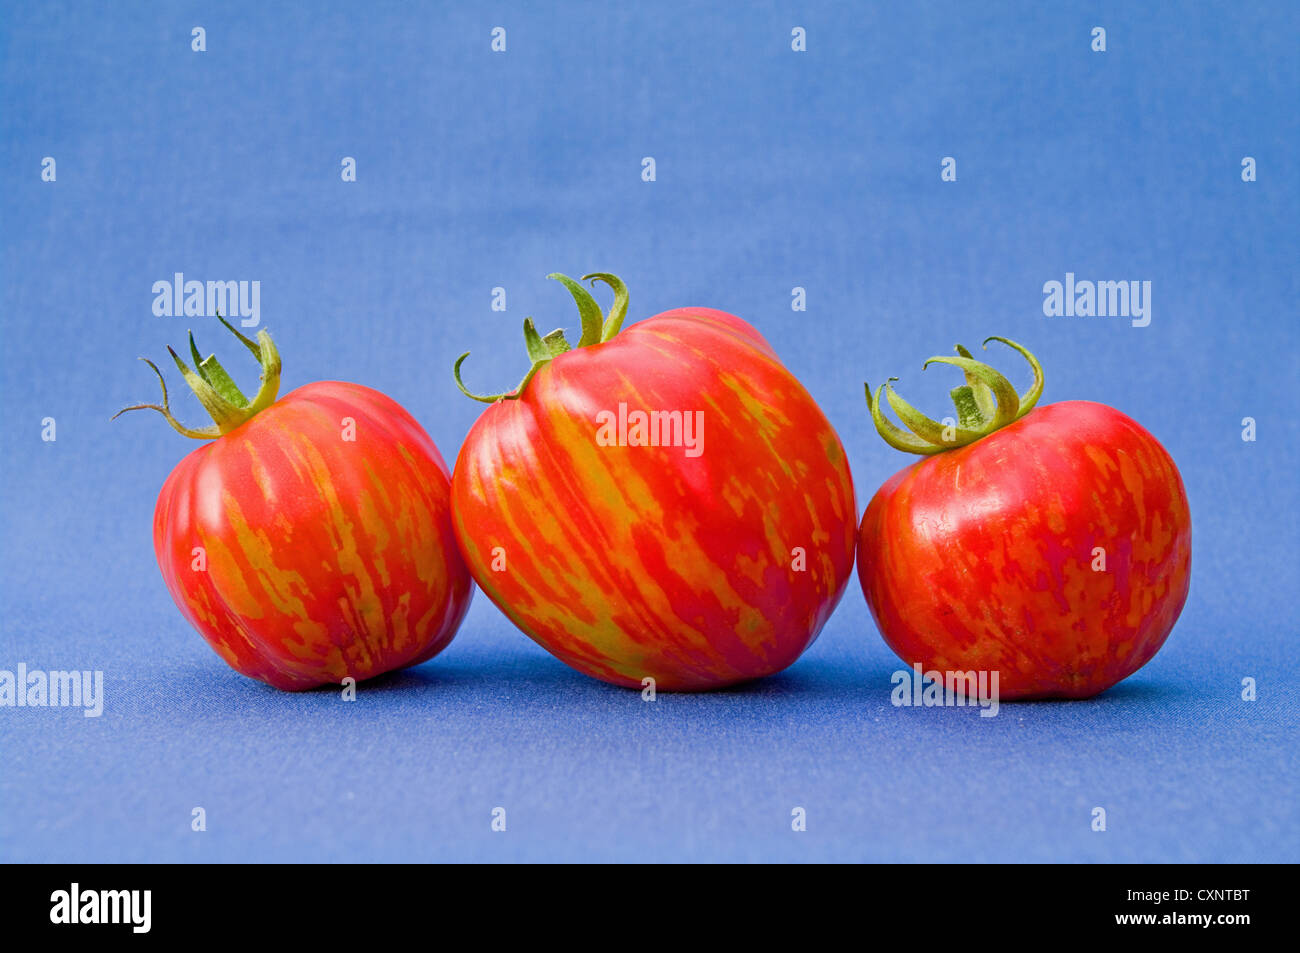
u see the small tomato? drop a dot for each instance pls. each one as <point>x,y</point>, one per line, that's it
<point>311,540</point>
<point>1052,546</point>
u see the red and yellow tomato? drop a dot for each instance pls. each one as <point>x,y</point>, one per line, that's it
<point>697,562</point>
<point>311,540</point>
<point>1049,545</point>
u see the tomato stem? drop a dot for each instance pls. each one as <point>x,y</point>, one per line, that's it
<point>596,329</point>
<point>215,388</point>
<point>985,403</point>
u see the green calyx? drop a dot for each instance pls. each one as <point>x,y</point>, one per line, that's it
<point>597,328</point>
<point>216,390</point>
<point>985,403</point>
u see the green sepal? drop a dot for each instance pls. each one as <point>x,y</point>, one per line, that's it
<point>986,403</point>
<point>618,310</point>
<point>1005,396</point>
<point>983,396</point>
<point>926,428</point>
<point>210,370</point>
<point>596,329</point>
<point>1029,398</point>
<point>894,436</point>
<point>588,310</point>
<point>216,390</point>
<point>969,414</point>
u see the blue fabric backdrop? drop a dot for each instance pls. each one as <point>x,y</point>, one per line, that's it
<point>774,169</point>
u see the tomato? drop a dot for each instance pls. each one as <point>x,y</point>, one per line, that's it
<point>629,547</point>
<point>311,539</point>
<point>1053,547</point>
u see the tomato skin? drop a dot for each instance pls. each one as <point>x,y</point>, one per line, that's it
<point>326,558</point>
<point>630,562</point>
<point>981,558</point>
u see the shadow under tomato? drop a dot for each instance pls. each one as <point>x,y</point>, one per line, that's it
<point>1147,691</point>
<point>813,680</point>
<point>1140,694</point>
<point>856,682</point>
<point>806,680</point>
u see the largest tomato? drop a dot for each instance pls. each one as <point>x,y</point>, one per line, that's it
<point>698,562</point>
<point>311,539</point>
<point>1050,545</point>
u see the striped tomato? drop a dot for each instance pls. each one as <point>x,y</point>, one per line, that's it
<point>1052,547</point>
<point>667,502</point>
<point>311,539</point>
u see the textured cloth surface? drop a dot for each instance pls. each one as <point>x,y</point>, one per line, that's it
<point>775,169</point>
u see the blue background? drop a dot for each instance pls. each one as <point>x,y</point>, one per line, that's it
<point>775,169</point>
